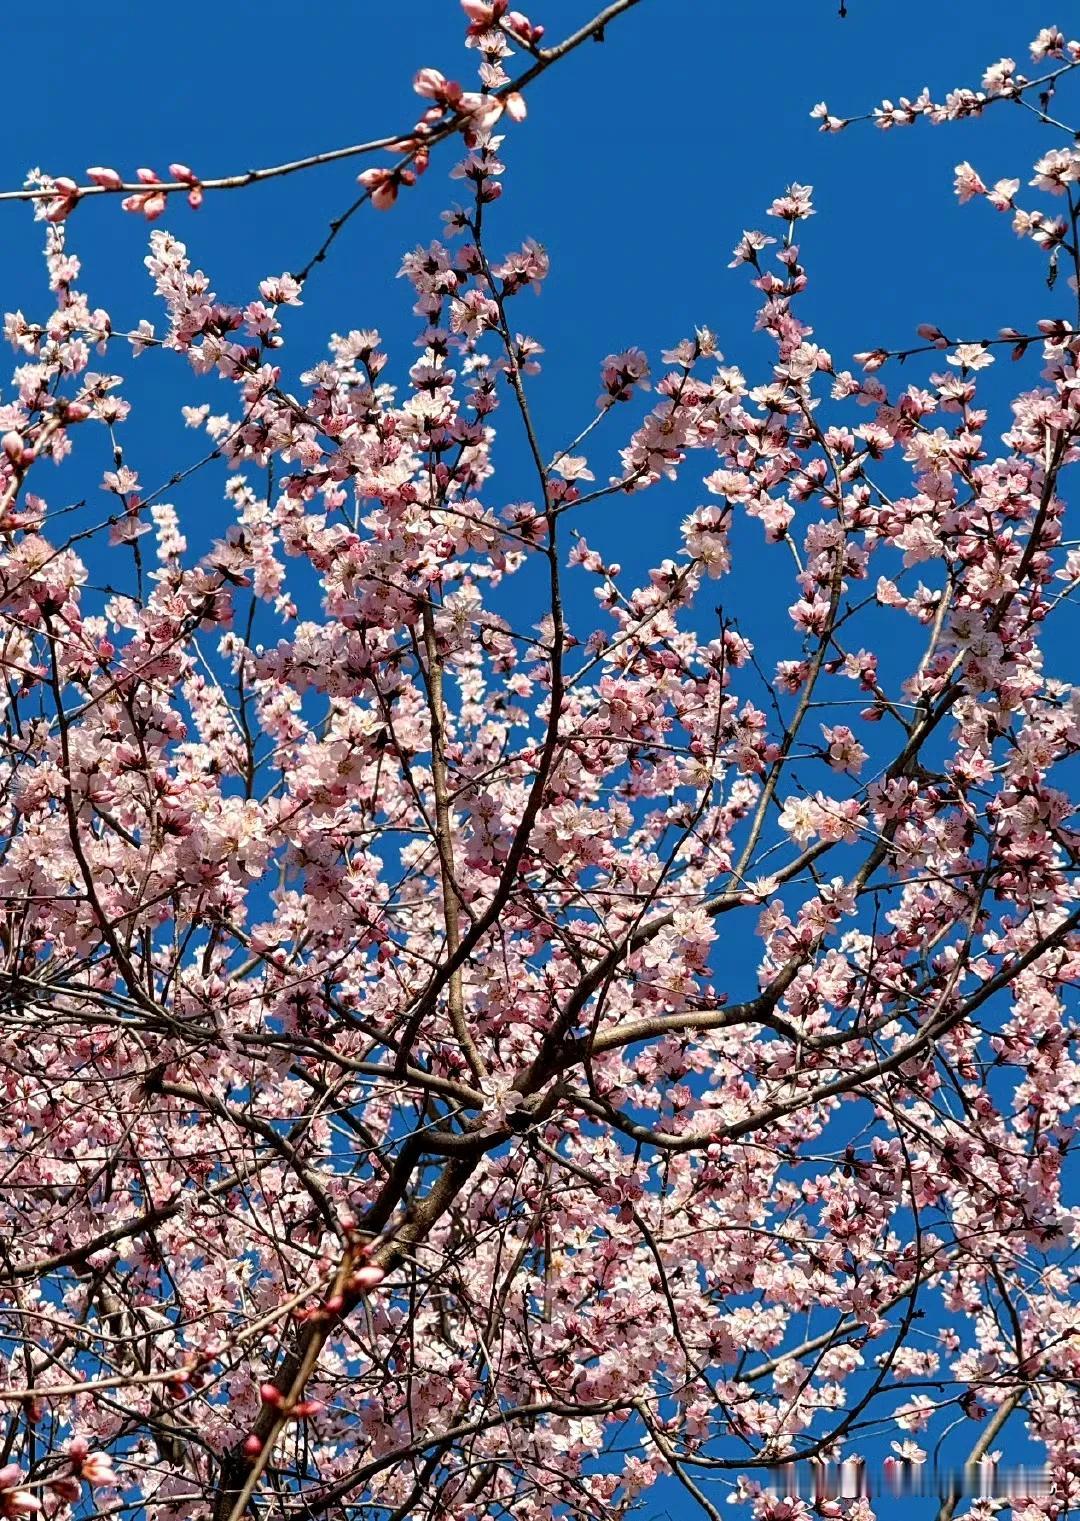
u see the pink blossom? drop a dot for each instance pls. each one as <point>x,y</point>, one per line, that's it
<point>14,1500</point>
<point>794,205</point>
<point>107,178</point>
<point>1056,170</point>
<point>970,356</point>
<point>1049,43</point>
<point>829,123</point>
<point>968,183</point>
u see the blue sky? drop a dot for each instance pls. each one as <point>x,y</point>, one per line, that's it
<point>640,164</point>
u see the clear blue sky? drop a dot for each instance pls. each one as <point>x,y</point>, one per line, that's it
<point>641,162</point>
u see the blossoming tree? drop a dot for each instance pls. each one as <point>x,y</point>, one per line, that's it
<point>471,1049</point>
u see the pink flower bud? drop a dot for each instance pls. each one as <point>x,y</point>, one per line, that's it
<point>252,1446</point>
<point>12,446</point>
<point>147,176</point>
<point>515,107</point>
<point>97,1469</point>
<point>15,1501</point>
<point>429,82</point>
<point>382,186</point>
<point>271,1395</point>
<point>181,172</point>
<point>522,27</point>
<point>367,1278</point>
<point>108,179</point>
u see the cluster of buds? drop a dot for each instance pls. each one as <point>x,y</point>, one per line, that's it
<point>434,86</point>
<point>620,373</point>
<point>151,203</point>
<point>192,1377</point>
<point>62,202</point>
<point>15,1501</point>
<point>93,1468</point>
<point>17,450</point>
<point>294,1410</point>
<point>363,1278</point>
<point>485,15</point>
<point>64,193</point>
<point>383,184</point>
<point>478,110</point>
<point>482,110</point>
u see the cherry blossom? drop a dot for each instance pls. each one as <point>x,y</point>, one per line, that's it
<point>491,1023</point>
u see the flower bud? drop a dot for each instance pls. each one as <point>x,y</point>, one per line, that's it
<point>430,83</point>
<point>367,1278</point>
